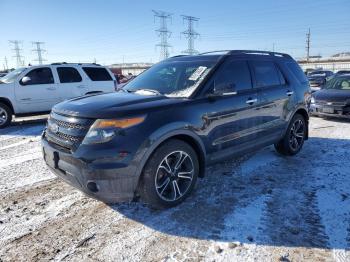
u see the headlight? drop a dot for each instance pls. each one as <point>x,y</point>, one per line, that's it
<point>103,130</point>
<point>312,100</point>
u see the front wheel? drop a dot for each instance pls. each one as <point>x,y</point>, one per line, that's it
<point>5,115</point>
<point>169,175</point>
<point>294,138</point>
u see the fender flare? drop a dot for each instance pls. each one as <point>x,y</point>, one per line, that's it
<point>305,113</point>
<point>160,136</point>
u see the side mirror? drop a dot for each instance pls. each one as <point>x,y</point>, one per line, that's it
<point>25,80</point>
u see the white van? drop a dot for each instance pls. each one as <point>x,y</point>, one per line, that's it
<point>36,89</point>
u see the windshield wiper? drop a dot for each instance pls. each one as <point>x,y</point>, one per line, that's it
<point>147,90</point>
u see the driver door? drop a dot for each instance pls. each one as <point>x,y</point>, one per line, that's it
<point>36,91</point>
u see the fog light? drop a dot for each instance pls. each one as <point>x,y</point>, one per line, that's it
<point>92,186</point>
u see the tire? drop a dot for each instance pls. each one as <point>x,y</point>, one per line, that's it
<point>293,140</point>
<point>5,115</point>
<point>170,175</point>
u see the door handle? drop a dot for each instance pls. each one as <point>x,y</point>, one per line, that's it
<point>251,101</point>
<point>289,93</point>
<point>81,86</point>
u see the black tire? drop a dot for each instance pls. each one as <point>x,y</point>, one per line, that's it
<point>5,116</point>
<point>161,170</point>
<point>293,140</point>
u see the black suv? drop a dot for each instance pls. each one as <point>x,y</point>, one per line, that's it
<point>154,138</point>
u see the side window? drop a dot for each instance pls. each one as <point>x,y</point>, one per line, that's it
<point>97,74</point>
<point>68,75</point>
<point>266,73</point>
<point>235,74</point>
<point>281,76</point>
<point>295,69</point>
<point>40,76</point>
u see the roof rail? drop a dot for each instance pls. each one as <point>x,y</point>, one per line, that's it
<point>65,63</point>
<point>217,51</point>
<point>257,52</point>
<point>252,52</point>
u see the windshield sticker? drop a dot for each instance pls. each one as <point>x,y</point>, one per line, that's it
<point>197,74</point>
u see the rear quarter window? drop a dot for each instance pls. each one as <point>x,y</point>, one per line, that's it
<point>295,69</point>
<point>97,74</point>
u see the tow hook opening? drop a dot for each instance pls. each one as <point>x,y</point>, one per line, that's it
<point>92,186</point>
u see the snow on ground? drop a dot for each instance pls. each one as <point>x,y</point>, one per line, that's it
<point>259,207</point>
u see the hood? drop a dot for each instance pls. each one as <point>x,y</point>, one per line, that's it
<point>113,105</point>
<point>316,78</point>
<point>332,95</point>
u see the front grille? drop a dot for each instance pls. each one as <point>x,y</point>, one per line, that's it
<point>69,125</point>
<point>67,132</point>
<point>329,103</point>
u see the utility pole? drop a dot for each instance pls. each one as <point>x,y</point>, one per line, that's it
<point>17,50</point>
<point>308,36</point>
<point>190,34</point>
<point>39,52</point>
<point>6,64</point>
<point>163,32</point>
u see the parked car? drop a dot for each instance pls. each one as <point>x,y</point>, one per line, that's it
<point>35,89</point>
<point>334,99</point>
<point>342,72</point>
<point>154,137</point>
<point>318,78</point>
<point>2,74</point>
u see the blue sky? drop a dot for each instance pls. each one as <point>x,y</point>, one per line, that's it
<point>113,31</point>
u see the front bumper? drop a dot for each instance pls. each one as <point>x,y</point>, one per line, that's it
<point>330,111</point>
<point>107,182</point>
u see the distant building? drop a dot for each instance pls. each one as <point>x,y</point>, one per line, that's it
<point>129,68</point>
<point>335,63</point>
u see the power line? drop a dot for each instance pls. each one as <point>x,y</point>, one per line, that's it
<point>17,50</point>
<point>163,32</point>
<point>190,34</point>
<point>39,52</point>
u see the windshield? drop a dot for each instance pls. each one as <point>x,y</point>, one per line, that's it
<point>340,83</point>
<point>172,78</point>
<point>10,77</point>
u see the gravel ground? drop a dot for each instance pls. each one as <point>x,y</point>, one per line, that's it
<point>260,207</point>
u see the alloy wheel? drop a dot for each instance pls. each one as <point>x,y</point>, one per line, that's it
<point>3,116</point>
<point>297,133</point>
<point>174,176</point>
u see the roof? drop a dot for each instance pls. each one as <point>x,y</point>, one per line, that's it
<point>220,53</point>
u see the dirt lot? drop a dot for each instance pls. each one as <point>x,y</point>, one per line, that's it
<point>261,207</point>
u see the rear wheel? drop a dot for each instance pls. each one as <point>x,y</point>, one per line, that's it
<point>170,175</point>
<point>5,115</point>
<point>294,138</point>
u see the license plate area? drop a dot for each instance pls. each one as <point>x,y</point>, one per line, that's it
<point>328,110</point>
<point>52,158</point>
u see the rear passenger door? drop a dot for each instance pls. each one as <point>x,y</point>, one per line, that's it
<point>274,96</point>
<point>71,83</point>
<point>100,80</point>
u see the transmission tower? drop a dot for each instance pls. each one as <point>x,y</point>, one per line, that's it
<point>39,52</point>
<point>163,32</point>
<point>190,34</point>
<point>17,51</point>
<point>308,36</point>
